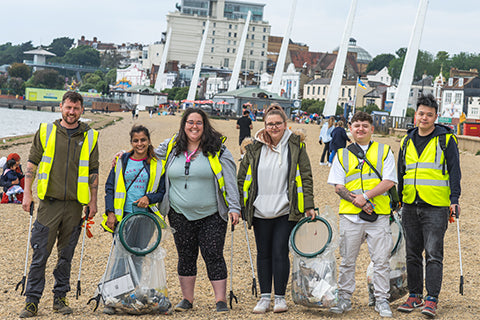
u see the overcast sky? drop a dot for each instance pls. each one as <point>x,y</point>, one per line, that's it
<point>381,26</point>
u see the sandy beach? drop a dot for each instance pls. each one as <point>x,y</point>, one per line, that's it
<point>115,137</point>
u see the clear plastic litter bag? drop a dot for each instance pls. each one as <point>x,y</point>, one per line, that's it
<point>314,270</point>
<point>135,280</point>
<point>398,264</point>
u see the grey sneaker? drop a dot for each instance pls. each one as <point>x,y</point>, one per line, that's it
<point>222,306</point>
<point>383,308</point>
<point>30,310</point>
<point>108,310</point>
<point>183,305</point>
<point>60,305</point>
<point>280,305</point>
<point>342,306</point>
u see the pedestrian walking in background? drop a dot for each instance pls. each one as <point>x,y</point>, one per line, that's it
<point>275,181</point>
<point>339,140</point>
<point>429,188</point>
<point>66,153</point>
<point>325,138</point>
<point>364,212</point>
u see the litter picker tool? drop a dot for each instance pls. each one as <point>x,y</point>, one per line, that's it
<point>100,288</point>
<point>24,278</point>
<point>232,295</point>
<point>254,281</point>
<point>79,288</point>
<point>460,289</point>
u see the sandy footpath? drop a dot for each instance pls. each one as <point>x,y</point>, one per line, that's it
<point>14,228</point>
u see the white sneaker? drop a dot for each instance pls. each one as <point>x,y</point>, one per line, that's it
<point>263,305</point>
<point>342,306</point>
<point>383,308</point>
<point>323,163</point>
<point>329,164</point>
<point>280,305</point>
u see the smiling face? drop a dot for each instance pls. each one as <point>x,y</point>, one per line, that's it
<point>194,128</point>
<point>275,126</point>
<point>361,131</point>
<point>140,143</point>
<point>425,117</point>
<point>71,112</point>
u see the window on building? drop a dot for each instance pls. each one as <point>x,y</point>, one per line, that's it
<point>261,66</point>
<point>229,26</point>
<point>253,36</point>
<point>308,90</point>
<point>253,28</point>
<point>251,52</point>
<point>236,26</point>
<point>228,50</point>
<point>264,29</point>
<point>228,42</point>
<point>235,35</point>
<point>324,90</point>
<point>318,90</point>
<point>213,41</point>
<point>213,32</point>
<point>203,23</point>
<point>349,92</point>
<point>247,35</point>
<point>233,50</point>
<point>474,111</point>
<point>203,31</point>
<point>343,92</point>
<point>263,53</point>
<point>252,64</point>
<point>214,24</point>
<point>448,97</point>
<point>229,34</point>
<point>252,44</point>
<point>244,64</point>
<point>234,42</point>
<point>264,38</point>
<point>458,97</point>
<point>263,45</point>
<point>226,62</point>
<point>212,49</point>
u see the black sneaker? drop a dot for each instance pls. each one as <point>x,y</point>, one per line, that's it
<point>60,305</point>
<point>30,310</point>
<point>222,306</point>
<point>183,305</point>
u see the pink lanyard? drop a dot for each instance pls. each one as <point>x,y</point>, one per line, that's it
<point>187,164</point>
<point>189,156</point>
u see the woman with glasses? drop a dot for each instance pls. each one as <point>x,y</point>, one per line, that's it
<point>275,180</point>
<point>201,193</point>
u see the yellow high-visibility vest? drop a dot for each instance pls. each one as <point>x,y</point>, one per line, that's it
<point>360,178</point>
<point>298,180</point>
<point>424,174</point>
<point>48,138</point>
<point>121,192</point>
<point>213,160</point>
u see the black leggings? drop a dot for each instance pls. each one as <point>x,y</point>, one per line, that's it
<point>208,234</point>
<point>326,151</point>
<point>271,236</point>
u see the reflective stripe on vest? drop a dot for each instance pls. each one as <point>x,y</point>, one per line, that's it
<point>48,140</point>
<point>246,185</point>
<point>121,192</point>
<point>300,199</point>
<point>360,178</point>
<point>423,175</point>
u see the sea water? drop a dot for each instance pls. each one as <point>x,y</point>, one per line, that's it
<point>16,122</point>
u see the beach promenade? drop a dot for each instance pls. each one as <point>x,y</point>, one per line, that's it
<point>14,229</point>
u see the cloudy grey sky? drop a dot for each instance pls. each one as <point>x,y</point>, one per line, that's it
<point>381,26</point>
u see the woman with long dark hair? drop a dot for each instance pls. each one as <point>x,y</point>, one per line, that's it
<point>275,179</point>
<point>201,193</point>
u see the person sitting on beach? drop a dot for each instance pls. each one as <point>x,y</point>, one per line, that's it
<point>12,178</point>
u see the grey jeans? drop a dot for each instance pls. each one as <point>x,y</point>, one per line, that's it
<point>379,240</point>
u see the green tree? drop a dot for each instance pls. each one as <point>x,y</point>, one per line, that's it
<point>380,61</point>
<point>20,70</point>
<point>111,76</point>
<point>46,78</point>
<point>10,53</point>
<point>182,93</point>
<point>110,60</point>
<point>371,107</point>
<point>16,86</point>
<point>60,46</point>
<point>83,55</point>
<point>410,113</point>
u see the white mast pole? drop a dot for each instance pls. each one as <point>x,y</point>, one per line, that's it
<point>400,103</point>
<point>232,85</point>
<point>160,82</point>
<point>277,75</point>
<point>336,81</point>
<point>198,65</point>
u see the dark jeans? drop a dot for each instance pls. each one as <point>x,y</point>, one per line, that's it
<point>271,236</point>
<point>326,151</point>
<point>424,228</point>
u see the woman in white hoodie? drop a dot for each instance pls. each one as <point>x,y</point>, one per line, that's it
<point>275,182</point>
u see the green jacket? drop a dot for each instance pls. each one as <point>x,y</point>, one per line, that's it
<point>297,155</point>
<point>62,184</point>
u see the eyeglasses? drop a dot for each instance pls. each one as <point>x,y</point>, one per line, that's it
<point>191,123</point>
<point>271,125</point>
